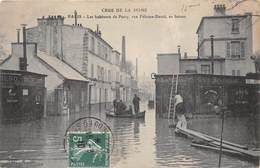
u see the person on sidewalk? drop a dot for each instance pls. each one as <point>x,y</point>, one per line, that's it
<point>136,102</point>
<point>180,111</point>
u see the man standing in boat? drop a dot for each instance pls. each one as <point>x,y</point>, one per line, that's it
<point>115,104</point>
<point>136,102</point>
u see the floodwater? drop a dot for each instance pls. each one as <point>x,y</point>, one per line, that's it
<point>145,143</point>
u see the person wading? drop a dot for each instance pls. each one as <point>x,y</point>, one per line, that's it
<point>136,103</point>
<point>180,111</point>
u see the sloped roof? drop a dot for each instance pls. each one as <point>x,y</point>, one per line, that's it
<point>61,67</point>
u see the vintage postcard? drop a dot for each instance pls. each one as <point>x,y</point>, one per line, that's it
<point>129,83</point>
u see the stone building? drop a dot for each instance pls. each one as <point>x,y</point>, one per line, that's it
<point>87,52</point>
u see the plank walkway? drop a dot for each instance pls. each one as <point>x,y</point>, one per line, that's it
<point>215,142</point>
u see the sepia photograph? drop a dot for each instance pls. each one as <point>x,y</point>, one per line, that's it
<point>129,83</point>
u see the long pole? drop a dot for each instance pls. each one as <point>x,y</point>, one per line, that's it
<point>221,139</point>
<point>212,54</point>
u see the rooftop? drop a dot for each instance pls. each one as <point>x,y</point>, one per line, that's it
<point>203,59</point>
<point>61,67</point>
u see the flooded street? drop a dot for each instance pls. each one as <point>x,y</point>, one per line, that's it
<point>145,143</point>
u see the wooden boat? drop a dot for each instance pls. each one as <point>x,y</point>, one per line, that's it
<point>110,113</point>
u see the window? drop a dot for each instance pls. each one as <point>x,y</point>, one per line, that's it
<point>99,49</point>
<point>233,72</point>
<point>109,75</point>
<point>25,92</point>
<point>106,53</point>
<point>92,44</point>
<point>235,49</point>
<point>238,72</point>
<point>117,76</point>
<point>105,75</point>
<point>235,26</point>
<point>117,59</point>
<point>102,74</point>
<point>92,70</point>
<point>205,69</point>
<point>190,69</point>
<point>98,72</point>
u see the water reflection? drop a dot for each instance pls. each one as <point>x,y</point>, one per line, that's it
<point>145,143</point>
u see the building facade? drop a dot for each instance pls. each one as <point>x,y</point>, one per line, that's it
<point>87,52</point>
<point>232,47</point>
<point>232,40</point>
<point>67,89</point>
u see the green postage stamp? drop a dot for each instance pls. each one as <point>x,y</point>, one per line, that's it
<point>89,149</point>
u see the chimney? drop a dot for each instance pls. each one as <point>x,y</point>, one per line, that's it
<point>136,70</point>
<point>18,35</point>
<point>179,51</point>
<point>75,17</point>
<point>123,58</point>
<point>185,55</point>
<point>98,31</point>
<point>219,10</point>
<point>23,61</point>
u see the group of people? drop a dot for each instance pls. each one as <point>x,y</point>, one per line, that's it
<point>121,108</point>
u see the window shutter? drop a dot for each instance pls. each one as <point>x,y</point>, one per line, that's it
<point>242,49</point>
<point>228,50</point>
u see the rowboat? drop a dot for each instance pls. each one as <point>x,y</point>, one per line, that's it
<point>110,113</point>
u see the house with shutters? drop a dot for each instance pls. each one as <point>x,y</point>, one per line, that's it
<point>232,47</point>
<point>232,41</point>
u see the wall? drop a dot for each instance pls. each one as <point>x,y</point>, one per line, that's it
<point>167,63</point>
<point>219,66</point>
<point>197,92</point>
<point>22,96</point>
<point>221,28</point>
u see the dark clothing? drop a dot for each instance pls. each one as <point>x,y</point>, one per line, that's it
<point>179,109</point>
<point>136,101</point>
<point>121,107</point>
<point>115,104</point>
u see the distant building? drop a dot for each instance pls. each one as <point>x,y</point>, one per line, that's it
<point>67,89</point>
<point>87,52</point>
<point>232,47</point>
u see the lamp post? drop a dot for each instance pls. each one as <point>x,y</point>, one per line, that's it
<point>212,54</point>
<point>221,110</point>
